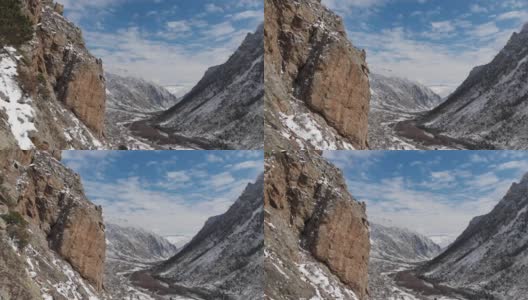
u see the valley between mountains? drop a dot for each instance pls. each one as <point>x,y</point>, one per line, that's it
<point>54,94</point>
<point>321,93</point>
<point>56,244</point>
<point>320,243</point>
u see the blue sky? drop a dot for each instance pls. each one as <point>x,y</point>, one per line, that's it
<point>435,193</point>
<point>165,41</point>
<point>167,192</point>
<point>436,42</point>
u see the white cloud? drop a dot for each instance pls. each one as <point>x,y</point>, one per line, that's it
<point>421,57</point>
<point>213,8</point>
<point>486,29</point>
<point>178,176</point>
<point>128,202</point>
<point>249,14</point>
<point>475,8</point>
<point>221,180</point>
<point>178,26</point>
<point>250,164</point>
<point>131,52</point>
<point>214,158</point>
<point>522,15</point>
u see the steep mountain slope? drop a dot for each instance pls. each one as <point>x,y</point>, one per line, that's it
<point>128,250</point>
<point>52,240</point>
<point>317,86</point>
<point>224,110</point>
<point>490,109</point>
<point>52,90</point>
<point>394,250</point>
<point>490,257</point>
<point>130,99</point>
<point>224,260</point>
<point>317,235</point>
<point>394,100</point>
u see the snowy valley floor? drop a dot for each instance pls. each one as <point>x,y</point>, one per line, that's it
<point>389,130</point>
<point>390,280</point>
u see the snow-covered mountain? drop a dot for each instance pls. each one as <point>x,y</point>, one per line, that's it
<point>129,249</point>
<point>135,244</point>
<point>394,100</point>
<point>490,108</point>
<point>225,108</point>
<point>225,259</point>
<point>393,243</point>
<point>393,250</point>
<point>178,90</point>
<point>490,257</point>
<point>136,95</point>
<point>130,99</point>
<point>178,240</point>
<point>396,94</point>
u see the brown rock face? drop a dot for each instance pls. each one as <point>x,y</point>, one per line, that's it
<point>50,197</point>
<point>310,216</point>
<point>309,59</point>
<point>64,82</point>
<point>62,58</point>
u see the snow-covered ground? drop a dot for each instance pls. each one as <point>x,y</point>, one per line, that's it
<point>15,104</point>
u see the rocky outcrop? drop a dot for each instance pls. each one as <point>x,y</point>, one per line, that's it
<point>489,110</point>
<point>490,258</point>
<point>61,57</point>
<point>62,83</point>
<point>67,229</point>
<point>313,228</point>
<point>313,72</point>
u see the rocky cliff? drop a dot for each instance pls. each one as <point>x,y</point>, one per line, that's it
<point>490,108</point>
<point>53,229</point>
<point>490,257</point>
<point>317,235</point>
<point>225,258</point>
<point>316,82</point>
<point>53,95</point>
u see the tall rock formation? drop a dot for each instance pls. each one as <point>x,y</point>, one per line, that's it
<point>317,235</point>
<point>490,257</point>
<point>54,95</point>
<point>56,232</point>
<point>224,110</point>
<point>490,108</point>
<point>317,83</point>
<point>225,258</point>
